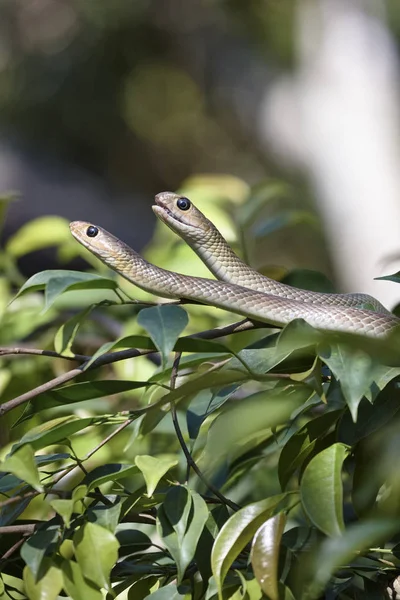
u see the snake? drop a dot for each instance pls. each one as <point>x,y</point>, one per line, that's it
<point>186,220</point>
<point>274,310</point>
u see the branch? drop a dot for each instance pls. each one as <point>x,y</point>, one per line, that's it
<point>29,528</point>
<point>36,351</point>
<point>105,359</point>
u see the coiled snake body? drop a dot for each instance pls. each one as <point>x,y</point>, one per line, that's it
<point>272,309</point>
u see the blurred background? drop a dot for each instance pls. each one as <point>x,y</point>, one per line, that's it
<point>280,118</point>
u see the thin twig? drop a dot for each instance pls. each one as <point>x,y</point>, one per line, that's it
<point>13,549</point>
<point>182,443</point>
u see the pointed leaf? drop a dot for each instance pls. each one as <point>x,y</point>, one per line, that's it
<point>154,468</point>
<point>322,490</point>
<point>302,444</point>
<point>54,431</point>
<point>109,472</point>
<point>22,464</point>
<point>65,280</point>
<point>238,531</point>
<point>356,371</point>
<point>65,336</point>
<point>79,392</point>
<point>96,550</point>
<point>168,592</point>
<point>265,554</point>
<point>231,430</point>
<point>164,324</point>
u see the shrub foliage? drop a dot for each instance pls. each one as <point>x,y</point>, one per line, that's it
<point>149,455</point>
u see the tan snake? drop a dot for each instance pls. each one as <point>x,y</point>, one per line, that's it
<point>186,220</point>
<point>242,300</point>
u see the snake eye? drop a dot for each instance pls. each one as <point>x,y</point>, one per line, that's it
<point>183,203</point>
<point>92,231</point>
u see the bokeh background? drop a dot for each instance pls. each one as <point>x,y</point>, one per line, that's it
<point>280,118</point>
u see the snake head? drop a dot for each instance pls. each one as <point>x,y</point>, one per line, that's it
<point>181,215</point>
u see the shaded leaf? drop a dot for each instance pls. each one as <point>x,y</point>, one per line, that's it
<point>322,490</point>
<point>105,516</point>
<point>231,431</point>
<point>79,392</point>
<point>340,550</point>
<point>76,585</point>
<point>302,444</point>
<point>356,371</point>
<point>36,547</point>
<point>65,336</point>
<point>164,324</point>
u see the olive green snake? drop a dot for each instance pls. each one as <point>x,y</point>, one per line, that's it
<point>240,288</point>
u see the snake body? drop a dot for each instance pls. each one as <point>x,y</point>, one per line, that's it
<point>185,219</point>
<point>242,300</point>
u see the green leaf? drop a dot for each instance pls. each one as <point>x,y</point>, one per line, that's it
<point>233,429</point>
<point>164,324</point>
<point>96,550</point>
<point>106,516</point>
<point>22,464</point>
<point>131,539</point>
<point>357,371</point>
<point>65,507</point>
<point>48,586</point>
<point>79,392</point>
<point>65,336</point>
<point>76,585</point>
<point>180,521</point>
<point>342,549</point>
<point>287,218</point>
<point>265,554</point>
<point>215,379</point>
<point>109,472</point>
<point>168,592</point>
<point>238,531</point>
<point>302,444</point>
<point>154,468</point>
<point>322,490</point>
<point>35,548</point>
<point>394,277</point>
<point>53,432</point>
<point>55,282</point>
<point>37,234</point>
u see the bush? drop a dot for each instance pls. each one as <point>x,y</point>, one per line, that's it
<point>178,459</point>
